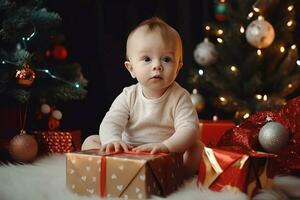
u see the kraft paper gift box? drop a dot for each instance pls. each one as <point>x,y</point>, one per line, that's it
<point>125,175</point>
<point>213,130</point>
<point>225,169</point>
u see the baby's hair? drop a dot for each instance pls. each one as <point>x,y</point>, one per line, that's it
<point>165,30</point>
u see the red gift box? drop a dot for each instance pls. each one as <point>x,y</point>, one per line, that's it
<point>222,169</point>
<point>213,130</point>
<point>58,141</point>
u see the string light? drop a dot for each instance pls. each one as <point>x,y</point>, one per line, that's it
<point>256,9</point>
<point>201,72</point>
<point>9,62</point>
<point>220,31</point>
<point>242,29</point>
<point>223,99</point>
<point>207,27</point>
<point>260,17</point>
<point>293,46</point>
<point>259,52</point>
<point>258,96</point>
<point>282,49</point>
<point>245,116</point>
<point>265,97</point>
<point>298,62</point>
<point>220,40</point>
<point>289,23</point>
<point>57,77</point>
<point>290,85</point>
<point>250,15</point>
<point>290,8</point>
<point>233,68</point>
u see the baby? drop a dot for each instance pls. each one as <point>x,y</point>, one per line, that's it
<point>156,114</point>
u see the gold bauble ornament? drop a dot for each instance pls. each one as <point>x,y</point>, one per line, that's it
<point>25,75</point>
<point>23,147</point>
<point>197,100</point>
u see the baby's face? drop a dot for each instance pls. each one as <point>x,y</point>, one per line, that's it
<point>153,61</point>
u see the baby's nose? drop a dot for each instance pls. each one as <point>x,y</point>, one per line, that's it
<point>157,66</point>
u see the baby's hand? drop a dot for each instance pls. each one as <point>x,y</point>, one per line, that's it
<point>152,148</point>
<point>116,146</point>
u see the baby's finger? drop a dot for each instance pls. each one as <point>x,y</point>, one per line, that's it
<point>143,148</point>
<point>117,147</point>
<point>109,148</point>
<point>124,146</point>
<point>103,148</point>
<point>154,150</point>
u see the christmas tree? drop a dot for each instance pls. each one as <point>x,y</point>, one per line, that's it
<point>248,61</point>
<point>34,62</point>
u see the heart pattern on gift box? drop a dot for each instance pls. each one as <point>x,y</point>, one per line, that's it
<point>91,191</point>
<point>83,178</point>
<point>137,190</point>
<point>113,176</point>
<point>130,178</point>
<point>140,196</point>
<point>142,177</point>
<point>119,187</point>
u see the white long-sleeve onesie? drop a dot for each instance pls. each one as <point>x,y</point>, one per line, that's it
<point>170,119</point>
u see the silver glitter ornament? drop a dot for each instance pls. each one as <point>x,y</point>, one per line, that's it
<point>273,136</point>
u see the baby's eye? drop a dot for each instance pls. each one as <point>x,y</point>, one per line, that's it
<point>167,59</point>
<point>147,59</point>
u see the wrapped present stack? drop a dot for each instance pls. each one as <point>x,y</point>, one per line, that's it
<point>125,175</point>
<point>249,155</point>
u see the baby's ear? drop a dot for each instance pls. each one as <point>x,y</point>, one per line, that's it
<point>129,68</point>
<point>180,64</point>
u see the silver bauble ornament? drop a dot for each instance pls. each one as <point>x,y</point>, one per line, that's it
<point>273,136</point>
<point>197,100</point>
<point>260,33</point>
<point>205,53</point>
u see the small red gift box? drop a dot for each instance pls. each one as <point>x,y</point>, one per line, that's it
<point>58,141</point>
<point>212,130</point>
<point>222,169</point>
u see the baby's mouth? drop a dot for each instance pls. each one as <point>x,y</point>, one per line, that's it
<point>156,77</point>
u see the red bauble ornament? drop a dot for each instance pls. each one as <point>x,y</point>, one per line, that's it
<point>25,75</point>
<point>23,147</point>
<point>59,52</point>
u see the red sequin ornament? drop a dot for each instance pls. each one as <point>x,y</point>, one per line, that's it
<point>25,75</point>
<point>57,142</point>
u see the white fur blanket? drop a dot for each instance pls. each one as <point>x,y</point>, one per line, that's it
<point>45,180</point>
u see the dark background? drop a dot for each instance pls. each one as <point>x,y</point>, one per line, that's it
<point>96,33</point>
